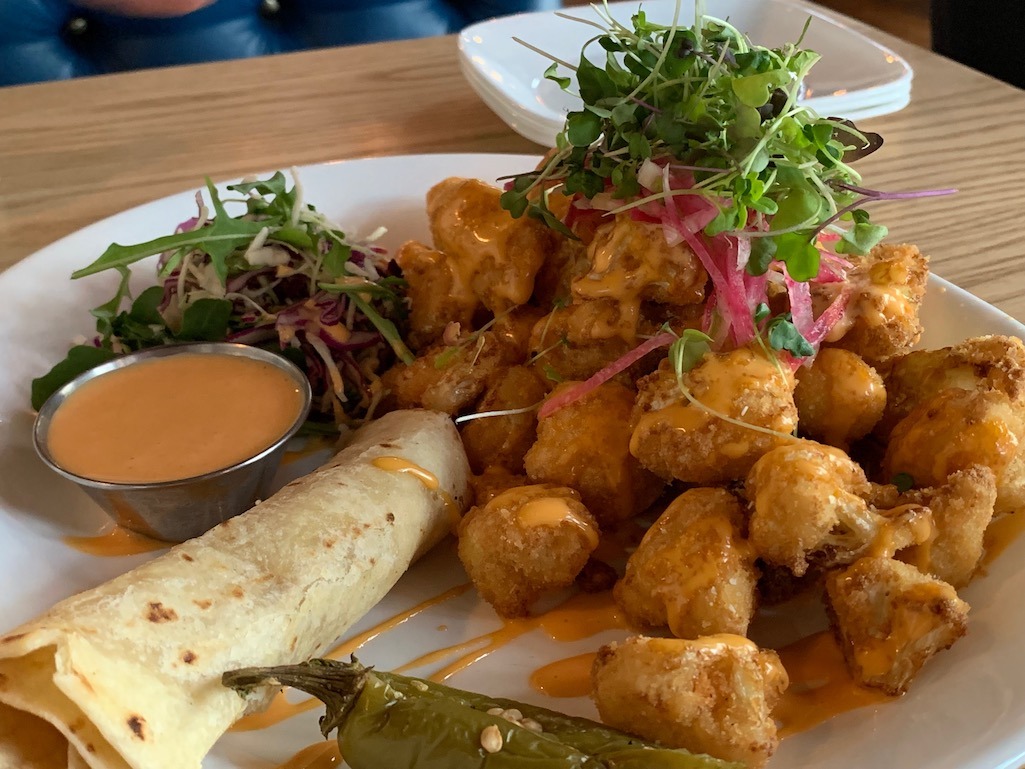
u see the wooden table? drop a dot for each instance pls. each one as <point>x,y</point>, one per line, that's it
<point>74,152</point>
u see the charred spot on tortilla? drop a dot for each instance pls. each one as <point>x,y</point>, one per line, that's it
<point>137,725</point>
<point>291,646</point>
<point>159,613</point>
<point>388,446</point>
<point>390,517</point>
<point>3,681</point>
<point>11,638</point>
<point>75,725</point>
<point>237,592</point>
<point>90,748</point>
<point>205,603</point>
<point>329,543</point>
<point>188,657</point>
<point>187,557</point>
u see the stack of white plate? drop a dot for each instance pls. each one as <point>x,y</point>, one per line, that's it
<point>856,77</point>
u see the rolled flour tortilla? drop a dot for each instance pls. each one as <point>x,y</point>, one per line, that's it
<point>128,674</point>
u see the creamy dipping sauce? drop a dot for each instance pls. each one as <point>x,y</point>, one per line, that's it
<point>171,418</point>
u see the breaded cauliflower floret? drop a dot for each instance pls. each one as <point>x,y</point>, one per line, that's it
<point>503,440</point>
<point>437,295</point>
<point>678,440</point>
<point>585,445</point>
<point>566,263</point>
<point>980,363</point>
<point>451,375</point>
<point>712,695</point>
<point>693,571</point>
<point>524,542</point>
<point>839,398</point>
<point>575,341</point>
<point>808,508</point>
<point>630,260</point>
<point>492,482</point>
<point>954,430</point>
<point>496,255</point>
<point>890,619</point>
<point>961,510</point>
<point>881,318</point>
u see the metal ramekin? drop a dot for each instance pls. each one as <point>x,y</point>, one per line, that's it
<point>175,511</point>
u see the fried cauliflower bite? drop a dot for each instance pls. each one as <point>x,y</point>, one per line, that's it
<point>565,263</point>
<point>980,363</point>
<point>712,695</point>
<point>693,571</point>
<point>678,440</point>
<point>631,261</point>
<point>451,375</point>
<point>503,440</point>
<point>492,482</point>
<point>446,378</point>
<point>961,508</point>
<point>524,542</point>
<point>575,341</point>
<point>495,255</point>
<point>839,398</point>
<point>808,508</point>
<point>586,445</point>
<point>881,318</point>
<point>437,294</point>
<point>954,430</point>
<point>890,619</point>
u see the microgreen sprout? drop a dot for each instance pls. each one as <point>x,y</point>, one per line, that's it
<point>702,131</point>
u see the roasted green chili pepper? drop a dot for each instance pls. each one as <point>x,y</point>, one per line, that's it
<point>416,724</point>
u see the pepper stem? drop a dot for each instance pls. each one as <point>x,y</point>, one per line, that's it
<point>337,684</point>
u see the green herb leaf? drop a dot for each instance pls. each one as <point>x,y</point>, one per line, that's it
<point>80,359</point>
<point>688,350</point>
<point>861,238</point>
<point>552,74</point>
<point>904,482</point>
<point>783,335</point>
<point>799,254</point>
<point>205,320</point>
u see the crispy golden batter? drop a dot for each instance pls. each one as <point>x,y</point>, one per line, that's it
<point>980,363</point>
<point>961,509</point>
<point>677,440</point>
<point>839,398</point>
<point>890,619</point>
<point>575,341</point>
<point>436,294</point>
<point>693,570</point>
<point>631,261</point>
<point>565,263</point>
<point>886,287</point>
<point>809,509</point>
<point>585,445</point>
<point>713,695</point>
<point>954,430</point>
<point>503,440</point>
<point>492,482</point>
<point>526,541</point>
<point>495,255</point>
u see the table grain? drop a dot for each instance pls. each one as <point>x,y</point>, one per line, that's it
<point>73,152</point>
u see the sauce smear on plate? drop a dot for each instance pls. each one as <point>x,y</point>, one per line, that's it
<point>172,418</point>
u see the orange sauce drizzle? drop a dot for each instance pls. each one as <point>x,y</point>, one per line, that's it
<point>552,511</point>
<point>320,755</point>
<point>281,709</point>
<point>116,542</point>
<point>570,677</point>
<point>312,446</point>
<point>820,686</point>
<point>426,477</point>
<point>581,616</point>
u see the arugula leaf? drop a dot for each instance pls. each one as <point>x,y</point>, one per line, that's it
<point>80,359</point>
<point>205,320</point>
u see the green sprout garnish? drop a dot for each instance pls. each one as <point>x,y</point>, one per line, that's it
<point>723,113</point>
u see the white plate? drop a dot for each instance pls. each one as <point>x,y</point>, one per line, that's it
<point>856,78</point>
<point>966,710</point>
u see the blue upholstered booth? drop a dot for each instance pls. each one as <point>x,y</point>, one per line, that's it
<point>51,39</point>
